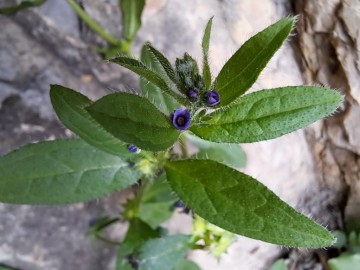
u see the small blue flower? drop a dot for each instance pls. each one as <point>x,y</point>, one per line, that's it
<point>181,119</point>
<point>212,98</point>
<point>133,149</point>
<point>192,95</point>
<point>179,204</point>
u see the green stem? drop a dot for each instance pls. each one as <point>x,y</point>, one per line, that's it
<point>184,151</point>
<point>93,24</point>
<point>104,239</point>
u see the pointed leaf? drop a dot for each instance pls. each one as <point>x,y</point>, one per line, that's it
<point>205,48</point>
<point>164,64</point>
<point>163,253</point>
<point>134,120</point>
<point>145,72</point>
<point>131,14</point>
<point>238,203</point>
<point>61,172</point>
<point>12,10</point>
<point>268,114</point>
<point>229,154</point>
<point>70,108</point>
<point>243,68</point>
<point>165,103</point>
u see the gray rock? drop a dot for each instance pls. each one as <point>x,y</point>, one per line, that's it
<point>8,64</point>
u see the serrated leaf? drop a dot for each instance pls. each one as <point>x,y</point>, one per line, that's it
<point>163,253</point>
<point>186,265</point>
<point>205,48</point>
<point>131,14</point>
<point>143,71</point>
<point>12,10</point>
<point>240,204</point>
<point>69,106</point>
<point>156,202</point>
<point>268,114</point>
<point>229,154</point>
<point>242,70</point>
<point>134,120</point>
<point>165,103</point>
<point>61,172</point>
<point>137,234</point>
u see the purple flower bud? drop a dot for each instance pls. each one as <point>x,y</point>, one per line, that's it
<point>192,94</point>
<point>212,98</point>
<point>181,119</point>
<point>133,149</point>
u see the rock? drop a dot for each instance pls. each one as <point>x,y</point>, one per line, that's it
<point>8,64</point>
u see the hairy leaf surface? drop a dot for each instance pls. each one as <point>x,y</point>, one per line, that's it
<point>61,172</point>
<point>243,68</point>
<point>69,106</point>
<point>268,114</point>
<point>131,14</point>
<point>240,204</point>
<point>133,119</point>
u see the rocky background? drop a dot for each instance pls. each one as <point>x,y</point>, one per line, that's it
<point>316,170</point>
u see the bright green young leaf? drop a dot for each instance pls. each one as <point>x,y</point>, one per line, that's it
<point>240,204</point>
<point>268,114</point>
<point>186,265</point>
<point>165,103</point>
<point>346,261</point>
<point>279,265</point>
<point>205,48</point>
<point>131,14</point>
<point>134,120</point>
<point>12,10</point>
<point>61,172</point>
<point>143,71</point>
<point>163,253</point>
<point>69,106</point>
<point>229,154</point>
<point>243,68</point>
<point>137,234</point>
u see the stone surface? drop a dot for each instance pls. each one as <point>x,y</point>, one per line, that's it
<point>48,45</point>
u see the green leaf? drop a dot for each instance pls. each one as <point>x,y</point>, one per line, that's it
<point>205,48</point>
<point>164,65</point>
<point>240,204</point>
<point>345,261</point>
<point>134,120</point>
<point>12,10</point>
<point>243,68</point>
<point>70,108</point>
<point>163,253</point>
<point>131,14</point>
<point>186,265</point>
<point>229,154</point>
<point>137,234</point>
<point>279,265</point>
<point>156,202</point>
<point>164,102</point>
<point>268,114</point>
<point>142,70</point>
<point>61,172</point>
